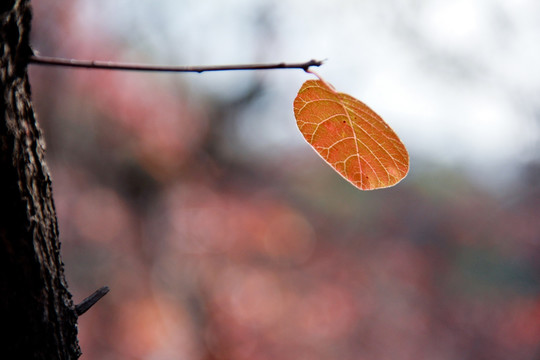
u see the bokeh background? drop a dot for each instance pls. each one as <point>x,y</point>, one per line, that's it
<point>222,235</point>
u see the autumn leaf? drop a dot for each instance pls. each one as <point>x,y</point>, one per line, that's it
<point>350,136</point>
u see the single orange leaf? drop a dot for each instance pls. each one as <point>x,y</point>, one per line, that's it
<point>350,136</point>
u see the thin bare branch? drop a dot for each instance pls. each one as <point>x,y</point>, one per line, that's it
<point>110,65</point>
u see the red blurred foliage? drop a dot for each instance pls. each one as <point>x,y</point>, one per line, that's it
<point>210,258</point>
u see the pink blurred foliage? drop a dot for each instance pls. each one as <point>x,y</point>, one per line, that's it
<point>161,128</point>
<point>209,258</point>
<point>151,115</point>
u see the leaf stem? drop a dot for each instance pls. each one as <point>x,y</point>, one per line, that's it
<point>328,85</point>
<point>110,65</point>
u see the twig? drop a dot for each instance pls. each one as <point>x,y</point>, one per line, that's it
<point>91,300</point>
<point>110,65</point>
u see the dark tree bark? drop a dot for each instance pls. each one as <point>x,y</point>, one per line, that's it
<point>37,313</point>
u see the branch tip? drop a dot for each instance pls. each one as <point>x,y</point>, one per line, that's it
<point>311,63</point>
<point>91,300</point>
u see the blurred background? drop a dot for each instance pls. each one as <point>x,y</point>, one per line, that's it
<point>222,234</point>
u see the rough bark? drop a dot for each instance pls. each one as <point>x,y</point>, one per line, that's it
<point>38,316</point>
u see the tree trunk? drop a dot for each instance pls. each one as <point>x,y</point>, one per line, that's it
<point>38,316</point>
